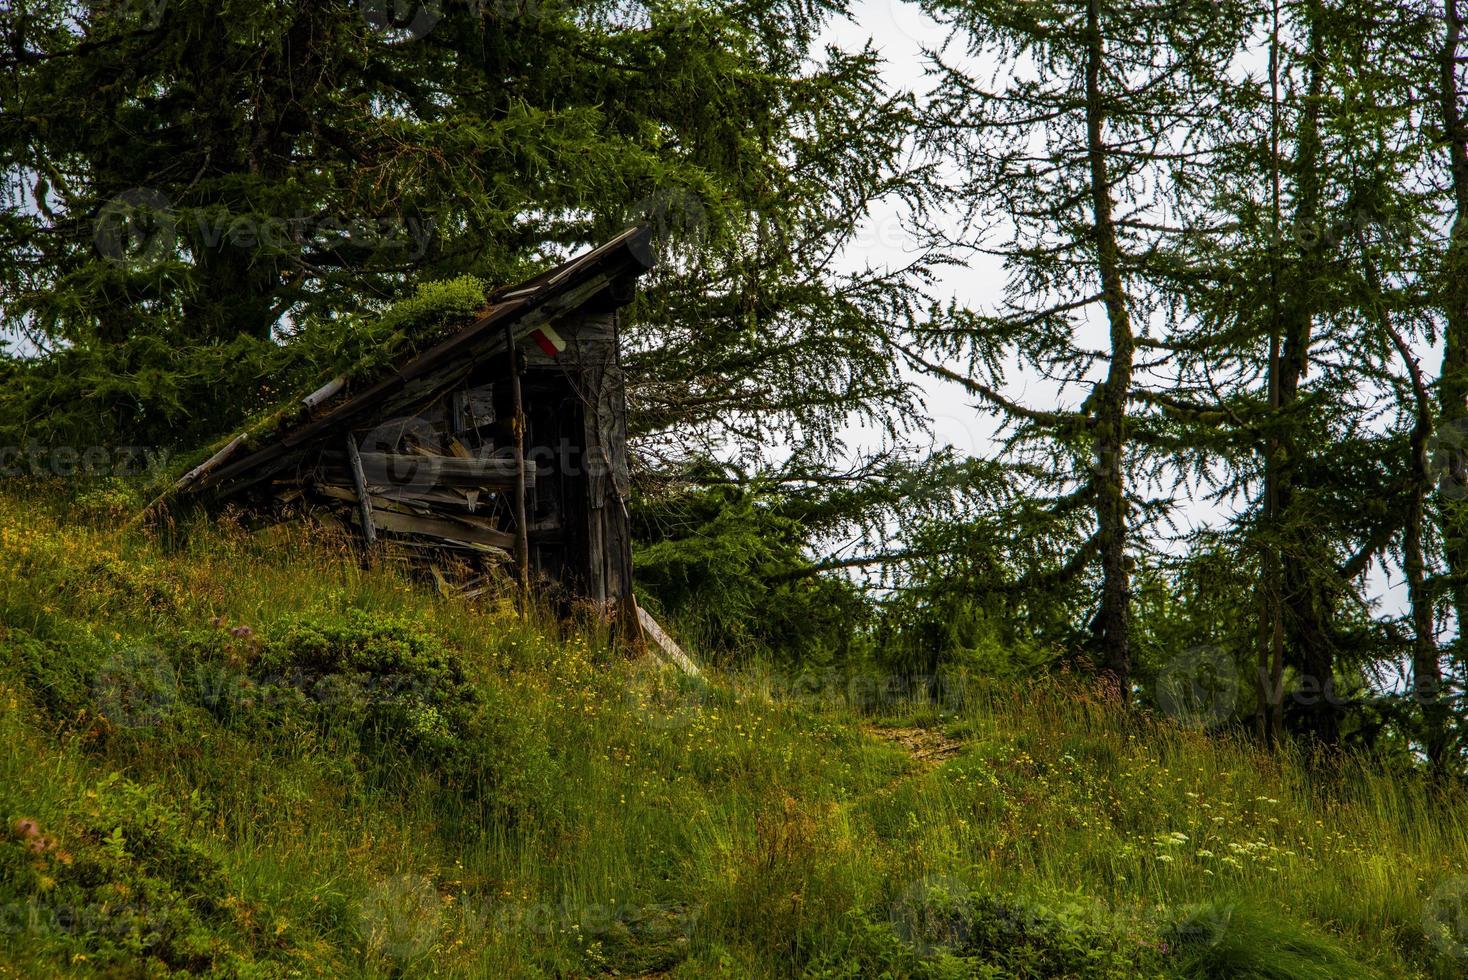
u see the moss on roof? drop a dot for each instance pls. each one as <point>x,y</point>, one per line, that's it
<point>361,347</point>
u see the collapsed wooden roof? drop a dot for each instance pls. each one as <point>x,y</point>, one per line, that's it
<point>345,401</point>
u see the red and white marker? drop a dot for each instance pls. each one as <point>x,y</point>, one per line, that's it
<point>548,340</point>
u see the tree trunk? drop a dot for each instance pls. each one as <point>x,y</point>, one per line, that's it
<point>1112,625</point>
<point>1427,678</point>
<point>1270,688</point>
<point>1307,592</point>
<point>1453,384</point>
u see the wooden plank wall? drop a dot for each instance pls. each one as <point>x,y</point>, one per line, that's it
<point>608,479</point>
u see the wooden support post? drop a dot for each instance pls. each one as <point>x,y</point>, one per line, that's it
<point>517,424</point>
<point>354,458</point>
<point>458,412</point>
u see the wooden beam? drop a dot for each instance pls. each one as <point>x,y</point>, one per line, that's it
<point>664,642</point>
<point>323,394</point>
<point>517,426</point>
<point>354,457</point>
<point>378,502</point>
<point>203,468</point>
<point>411,473</point>
<point>434,500</point>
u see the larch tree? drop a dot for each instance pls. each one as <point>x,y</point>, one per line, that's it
<point>1451,466</point>
<point>1064,163</point>
<point>1305,341</point>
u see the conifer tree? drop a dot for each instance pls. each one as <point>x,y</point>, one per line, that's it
<point>1068,156</point>
<point>190,176</point>
<point>1452,289</point>
<point>1313,300</point>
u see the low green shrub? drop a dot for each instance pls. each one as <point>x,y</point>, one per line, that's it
<point>1239,942</point>
<point>401,699</point>
<point>939,930</point>
<point>119,887</point>
<point>393,684</point>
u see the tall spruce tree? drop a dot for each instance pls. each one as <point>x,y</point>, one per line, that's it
<point>194,177</point>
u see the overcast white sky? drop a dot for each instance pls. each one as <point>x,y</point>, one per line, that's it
<point>900,31</point>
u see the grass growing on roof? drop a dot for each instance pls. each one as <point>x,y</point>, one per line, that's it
<point>359,346</point>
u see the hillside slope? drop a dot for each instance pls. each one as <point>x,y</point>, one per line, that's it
<point>241,754</point>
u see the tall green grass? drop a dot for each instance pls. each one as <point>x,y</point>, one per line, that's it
<point>591,815</point>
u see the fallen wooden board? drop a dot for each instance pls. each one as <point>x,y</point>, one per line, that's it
<point>435,500</point>
<point>414,504</point>
<point>323,394</point>
<point>432,527</point>
<point>445,544</point>
<point>666,643</point>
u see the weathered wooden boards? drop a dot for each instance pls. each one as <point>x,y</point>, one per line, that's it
<point>609,536</point>
<point>447,530</point>
<point>395,469</point>
<point>445,366</point>
<point>428,512</point>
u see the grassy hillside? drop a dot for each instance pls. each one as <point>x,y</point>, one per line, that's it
<point>243,755</point>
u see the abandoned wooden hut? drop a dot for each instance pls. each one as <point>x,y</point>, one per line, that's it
<point>503,445</point>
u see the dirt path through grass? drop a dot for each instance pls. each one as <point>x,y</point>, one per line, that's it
<point>928,747</point>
